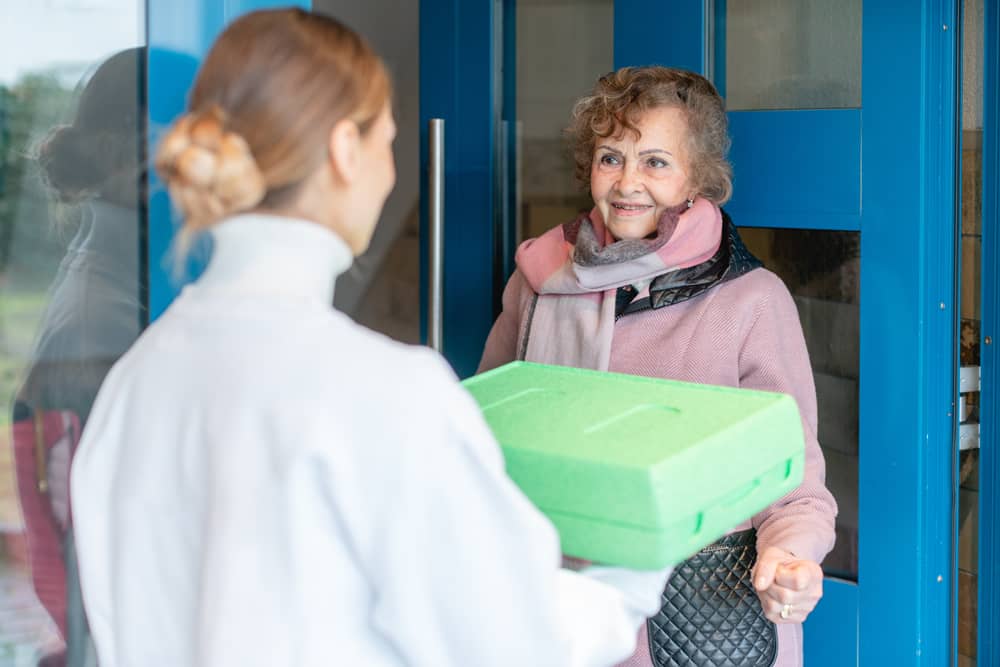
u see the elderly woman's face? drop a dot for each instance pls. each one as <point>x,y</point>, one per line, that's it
<point>633,180</point>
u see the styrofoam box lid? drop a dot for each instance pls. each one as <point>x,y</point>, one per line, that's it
<point>635,451</point>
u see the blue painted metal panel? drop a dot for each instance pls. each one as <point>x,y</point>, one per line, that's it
<point>831,631</point>
<point>798,169</point>
<point>458,83</point>
<point>989,457</point>
<point>906,475</point>
<point>506,237</point>
<point>180,33</point>
<point>660,33</point>
<point>941,254</point>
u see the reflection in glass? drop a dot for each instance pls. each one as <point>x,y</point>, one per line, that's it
<point>792,54</point>
<point>822,271</point>
<point>71,296</point>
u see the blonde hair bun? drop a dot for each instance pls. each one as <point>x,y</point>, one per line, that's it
<point>210,171</point>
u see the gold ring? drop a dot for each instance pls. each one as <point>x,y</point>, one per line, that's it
<point>786,611</point>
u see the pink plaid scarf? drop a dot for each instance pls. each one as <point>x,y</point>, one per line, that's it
<point>576,270</point>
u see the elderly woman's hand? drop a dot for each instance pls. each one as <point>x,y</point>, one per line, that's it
<point>788,587</point>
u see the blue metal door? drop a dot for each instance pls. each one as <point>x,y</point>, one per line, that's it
<point>878,171</point>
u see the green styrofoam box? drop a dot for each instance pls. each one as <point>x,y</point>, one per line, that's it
<point>636,471</point>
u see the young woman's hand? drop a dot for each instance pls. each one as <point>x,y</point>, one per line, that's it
<point>788,587</point>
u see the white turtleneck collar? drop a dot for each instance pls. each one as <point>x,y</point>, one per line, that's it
<point>268,255</point>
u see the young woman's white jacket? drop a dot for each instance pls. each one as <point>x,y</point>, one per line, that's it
<point>264,482</point>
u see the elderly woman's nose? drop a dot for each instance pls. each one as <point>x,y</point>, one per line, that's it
<point>630,179</point>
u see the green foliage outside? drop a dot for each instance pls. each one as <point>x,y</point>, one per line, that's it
<point>31,246</point>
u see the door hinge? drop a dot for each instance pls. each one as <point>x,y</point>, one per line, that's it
<point>968,436</point>
<point>968,430</point>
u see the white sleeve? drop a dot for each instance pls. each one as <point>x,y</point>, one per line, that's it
<point>467,570</point>
<point>601,609</point>
<point>94,468</point>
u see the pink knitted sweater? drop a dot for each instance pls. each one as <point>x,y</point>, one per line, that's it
<point>741,333</point>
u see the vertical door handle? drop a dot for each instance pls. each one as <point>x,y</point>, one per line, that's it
<point>435,236</point>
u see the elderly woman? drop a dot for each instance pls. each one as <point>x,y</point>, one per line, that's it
<point>655,281</point>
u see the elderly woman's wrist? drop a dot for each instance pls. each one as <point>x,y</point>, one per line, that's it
<point>800,545</point>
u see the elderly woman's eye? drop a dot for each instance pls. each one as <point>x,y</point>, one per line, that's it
<point>609,159</point>
<point>656,162</point>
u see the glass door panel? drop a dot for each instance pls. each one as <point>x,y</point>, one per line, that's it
<point>822,271</point>
<point>562,47</point>
<point>791,54</point>
<point>382,289</point>
<point>970,326</point>
<point>72,292</point>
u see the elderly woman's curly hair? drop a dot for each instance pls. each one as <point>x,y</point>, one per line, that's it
<point>620,98</point>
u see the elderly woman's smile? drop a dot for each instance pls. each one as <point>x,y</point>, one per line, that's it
<point>634,179</point>
<point>626,209</point>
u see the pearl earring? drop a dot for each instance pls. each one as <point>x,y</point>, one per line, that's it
<point>690,202</point>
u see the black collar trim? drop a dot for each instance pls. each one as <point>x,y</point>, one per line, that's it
<point>730,261</point>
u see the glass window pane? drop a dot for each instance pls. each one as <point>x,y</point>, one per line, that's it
<point>973,21</point>
<point>792,54</point>
<point>72,129</point>
<point>562,47</point>
<point>382,289</point>
<point>969,340</point>
<point>822,271</point>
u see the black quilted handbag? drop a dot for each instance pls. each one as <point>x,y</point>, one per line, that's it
<point>711,615</point>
